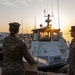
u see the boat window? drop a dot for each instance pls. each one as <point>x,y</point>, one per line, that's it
<point>55,36</point>
<point>34,37</point>
<point>44,36</point>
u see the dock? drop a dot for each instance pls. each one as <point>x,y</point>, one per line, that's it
<point>50,73</point>
<point>39,73</point>
<point>0,71</point>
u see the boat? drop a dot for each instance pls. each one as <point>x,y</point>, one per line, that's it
<point>1,39</point>
<point>48,43</point>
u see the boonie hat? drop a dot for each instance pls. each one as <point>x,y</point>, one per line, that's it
<point>14,26</point>
<point>72,28</point>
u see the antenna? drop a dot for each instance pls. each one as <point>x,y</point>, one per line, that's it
<point>44,12</point>
<point>52,8</point>
<point>26,29</point>
<point>47,6</point>
<point>48,20</point>
<point>35,22</point>
<point>58,14</point>
<point>22,25</point>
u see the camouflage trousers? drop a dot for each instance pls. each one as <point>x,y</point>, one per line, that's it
<point>70,70</point>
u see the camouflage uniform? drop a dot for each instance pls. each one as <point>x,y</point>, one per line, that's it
<point>71,59</point>
<point>14,50</point>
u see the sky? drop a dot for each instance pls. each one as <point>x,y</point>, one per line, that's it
<point>31,12</point>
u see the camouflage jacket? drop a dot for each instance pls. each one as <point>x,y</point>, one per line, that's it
<point>71,58</point>
<point>14,49</point>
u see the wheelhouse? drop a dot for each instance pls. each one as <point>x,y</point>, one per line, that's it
<point>45,34</point>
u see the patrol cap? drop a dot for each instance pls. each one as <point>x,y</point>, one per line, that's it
<point>14,26</point>
<point>72,28</point>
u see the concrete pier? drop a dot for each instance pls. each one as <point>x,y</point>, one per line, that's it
<point>50,73</point>
<point>39,73</point>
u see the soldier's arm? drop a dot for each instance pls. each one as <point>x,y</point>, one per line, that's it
<point>73,49</point>
<point>27,55</point>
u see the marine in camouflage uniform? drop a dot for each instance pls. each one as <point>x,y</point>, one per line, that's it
<point>71,58</point>
<point>14,50</point>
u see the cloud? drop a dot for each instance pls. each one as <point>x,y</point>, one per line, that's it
<point>39,0</point>
<point>26,2</point>
<point>7,3</point>
<point>23,2</point>
<point>34,0</point>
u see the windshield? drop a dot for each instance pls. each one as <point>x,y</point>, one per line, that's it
<point>44,36</point>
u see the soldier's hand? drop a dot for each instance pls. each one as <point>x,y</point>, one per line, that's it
<point>35,63</point>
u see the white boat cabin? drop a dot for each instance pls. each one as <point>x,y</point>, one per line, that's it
<point>49,44</point>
